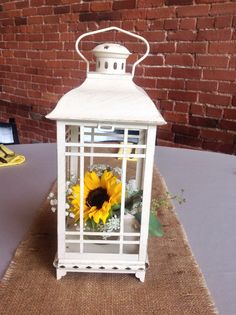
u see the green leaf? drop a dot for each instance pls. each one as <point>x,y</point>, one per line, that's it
<point>155,227</point>
<point>115,207</point>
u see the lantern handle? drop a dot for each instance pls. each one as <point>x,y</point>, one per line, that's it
<point>113,28</point>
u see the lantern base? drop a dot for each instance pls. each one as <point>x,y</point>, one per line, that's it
<point>62,267</point>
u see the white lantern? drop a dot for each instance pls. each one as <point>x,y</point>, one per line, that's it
<point>106,132</point>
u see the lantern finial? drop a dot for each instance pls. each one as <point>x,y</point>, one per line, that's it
<point>111,58</point>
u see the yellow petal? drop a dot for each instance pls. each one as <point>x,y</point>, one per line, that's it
<point>91,180</point>
<point>105,211</point>
<point>106,177</point>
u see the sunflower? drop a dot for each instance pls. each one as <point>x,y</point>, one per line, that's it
<point>101,193</point>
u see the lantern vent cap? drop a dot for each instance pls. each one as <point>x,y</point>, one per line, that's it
<point>111,50</point>
<point>111,58</point>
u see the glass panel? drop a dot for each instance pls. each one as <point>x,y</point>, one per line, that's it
<point>103,171</point>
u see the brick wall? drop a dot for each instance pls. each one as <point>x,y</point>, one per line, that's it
<point>190,73</point>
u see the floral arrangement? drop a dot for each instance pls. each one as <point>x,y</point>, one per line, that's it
<point>102,201</point>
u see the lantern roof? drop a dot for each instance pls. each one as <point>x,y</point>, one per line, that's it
<point>108,98</point>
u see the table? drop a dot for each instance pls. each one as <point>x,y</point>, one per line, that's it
<point>208,216</point>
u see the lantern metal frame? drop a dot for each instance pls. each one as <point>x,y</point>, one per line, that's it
<point>101,262</point>
<point>128,253</point>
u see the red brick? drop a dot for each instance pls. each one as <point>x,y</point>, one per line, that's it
<point>227,87</point>
<point>230,113</point>
<point>181,107</point>
<point>214,99</point>
<point>170,84</point>
<point>139,25</point>
<point>35,20</point>
<point>224,8</point>
<point>20,21</point>
<point>33,54</point>
<point>161,13</point>
<point>188,140</point>
<point>162,48</point>
<point>49,54</point>
<point>29,11</point>
<point>145,82</point>
<point>222,48</point>
<point>182,36</point>
<point>126,4</point>
<point>37,3</point>
<point>166,105</point>
<point>149,3</point>
<point>217,134</point>
<point>157,36</point>
<point>22,4</point>
<point>186,73</point>
<point>152,93</point>
<point>191,47</point>
<point>165,134</point>
<point>179,59</point>
<point>161,94</point>
<point>187,11</point>
<point>212,61</point>
<point>175,117</point>
<point>214,112</point>
<point>201,85</point>
<point>187,24</point>
<point>156,24</point>
<point>171,24</point>
<point>35,37</point>
<point>203,122</point>
<point>196,109</point>
<point>234,35</point>
<point>178,2</point>
<point>234,101</point>
<point>53,2</point>
<point>132,15</point>
<point>54,45</point>
<point>223,21</point>
<point>182,96</point>
<point>153,60</point>
<point>100,6</point>
<point>82,7</point>
<point>205,23</point>
<point>63,55</point>
<point>44,10</point>
<point>52,37</point>
<point>215,35</point>
<point>208,1</point>
<point>186,130</point>
<point>99,16</point>
<point>51,19</point>
<point>224,75</point>
<point>218,147</point>
<point>157,72</point>
<point>234,21</point>
<point>227,124</point>
<point>20,53</point>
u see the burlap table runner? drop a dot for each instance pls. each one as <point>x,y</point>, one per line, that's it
<point>173,285</point>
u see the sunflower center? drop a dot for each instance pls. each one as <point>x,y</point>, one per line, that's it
<point>97,197</point>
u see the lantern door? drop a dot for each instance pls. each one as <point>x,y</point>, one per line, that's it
<point>104,190</point>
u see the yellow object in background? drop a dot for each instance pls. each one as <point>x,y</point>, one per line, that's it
<point>127,151</point>
<point>9,157</point>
